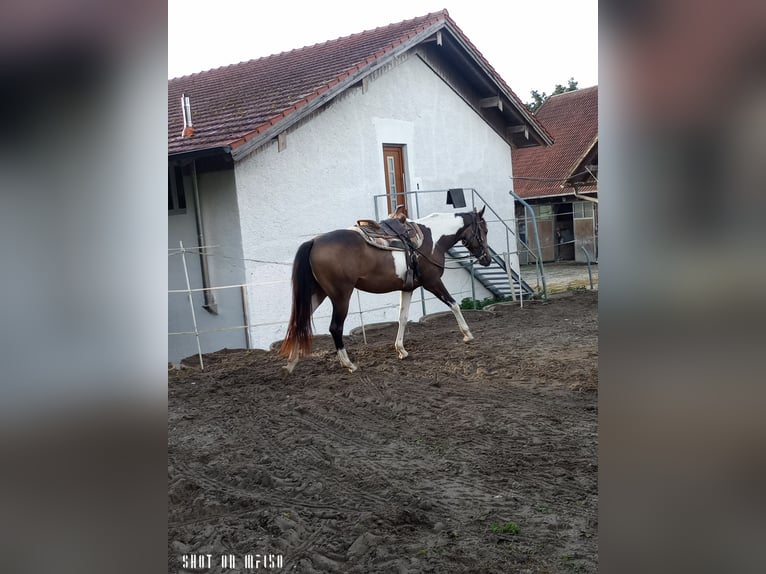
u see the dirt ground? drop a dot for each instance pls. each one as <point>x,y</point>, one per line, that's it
<point>460,458</point>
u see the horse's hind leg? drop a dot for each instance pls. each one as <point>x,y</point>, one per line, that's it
<point>339,313</point>
<point>316,300</point>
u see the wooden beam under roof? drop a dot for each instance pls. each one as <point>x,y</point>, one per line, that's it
<point>493,102</point>
<point>519,129</point>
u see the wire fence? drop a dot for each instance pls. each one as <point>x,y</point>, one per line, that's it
<point>363,311</point>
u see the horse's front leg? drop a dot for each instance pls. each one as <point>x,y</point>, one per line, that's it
<point>455,308</point>
<point>404,310</point>
<point>443,295</point>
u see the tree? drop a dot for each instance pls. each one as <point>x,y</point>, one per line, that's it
<point>538,98</point>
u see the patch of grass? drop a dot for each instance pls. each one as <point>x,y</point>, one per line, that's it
<point>572,564</point>
<point>471,303</point>
<point>506,528</point>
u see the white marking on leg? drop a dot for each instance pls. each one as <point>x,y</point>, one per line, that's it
<point>345,361</point>
<point>467,336</point>
<point>404,310</point>
<point>291,365</point>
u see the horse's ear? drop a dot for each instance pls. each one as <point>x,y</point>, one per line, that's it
<point>481,213</point>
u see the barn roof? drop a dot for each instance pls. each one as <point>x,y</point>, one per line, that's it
<point>572,120</point>
<point>239,107</point>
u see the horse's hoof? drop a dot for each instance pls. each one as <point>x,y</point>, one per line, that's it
<point>286,371</point>
<point>352,368</point>
<point>468,338</point>
<point>402,354</point>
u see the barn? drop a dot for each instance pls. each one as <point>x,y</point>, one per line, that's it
<point>265,154</point>
<point>560,182</point>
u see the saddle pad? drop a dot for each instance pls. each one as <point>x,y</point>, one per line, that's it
<point>379,241</point>
<point>375,231</point>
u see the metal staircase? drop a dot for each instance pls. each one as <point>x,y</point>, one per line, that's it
<point>494,277</point>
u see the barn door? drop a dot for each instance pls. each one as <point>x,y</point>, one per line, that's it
<point>393,166</point>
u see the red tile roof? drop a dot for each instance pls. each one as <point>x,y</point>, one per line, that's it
<point>572,119</point>
<point>235,104</point>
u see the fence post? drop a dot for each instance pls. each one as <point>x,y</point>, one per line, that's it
<point>361,317</point>
<point>246,313</point>
<point>590,273</point>
<point>509,272</point>
<point>191,305</point>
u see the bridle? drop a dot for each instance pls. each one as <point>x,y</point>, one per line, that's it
<point>476,235</point>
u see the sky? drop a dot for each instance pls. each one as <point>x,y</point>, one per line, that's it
<point>533,45</point>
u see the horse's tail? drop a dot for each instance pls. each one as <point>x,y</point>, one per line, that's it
<point>298,339</point>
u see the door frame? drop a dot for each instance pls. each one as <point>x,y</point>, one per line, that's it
<point>394,168</point>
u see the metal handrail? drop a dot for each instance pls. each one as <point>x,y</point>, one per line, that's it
<point>539,260</point>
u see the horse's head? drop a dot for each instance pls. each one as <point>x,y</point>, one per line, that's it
<point>474,237</point>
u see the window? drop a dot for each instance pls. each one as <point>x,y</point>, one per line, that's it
<point>543,212</point>
<point>176,194</point>
<point>583,210</point>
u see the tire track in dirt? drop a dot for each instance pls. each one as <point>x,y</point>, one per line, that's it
<point>316,456</point>
<point>403,465</point>
<point>212,484</point>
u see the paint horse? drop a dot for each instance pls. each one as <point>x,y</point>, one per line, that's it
<point>333,264</point>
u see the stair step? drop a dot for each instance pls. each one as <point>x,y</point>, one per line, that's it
<point>494,277</point>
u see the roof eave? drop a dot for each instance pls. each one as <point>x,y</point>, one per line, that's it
<point>573,170</point>
<point>200,153</point>
<point>525,114</point>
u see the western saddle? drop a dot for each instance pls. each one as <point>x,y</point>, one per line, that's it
<point>395,234</point>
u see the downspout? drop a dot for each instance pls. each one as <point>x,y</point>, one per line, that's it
<point>585,197</point>
<point>210,305</point>
<point>578,196</point>
<point>574,188</point>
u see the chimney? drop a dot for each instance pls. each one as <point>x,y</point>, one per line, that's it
<point>188,127</point>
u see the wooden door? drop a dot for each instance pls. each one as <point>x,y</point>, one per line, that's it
<point>393,166</point>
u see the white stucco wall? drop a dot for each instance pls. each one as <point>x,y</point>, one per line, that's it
<point>221,225</point>
<point>333,166</point>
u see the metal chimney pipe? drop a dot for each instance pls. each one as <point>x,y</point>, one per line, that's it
<point>188,130</point>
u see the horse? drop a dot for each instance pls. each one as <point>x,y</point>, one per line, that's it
<point>334,263</point>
